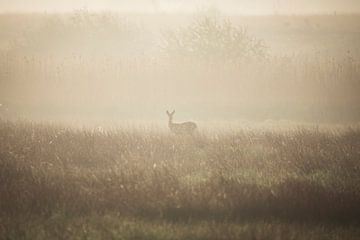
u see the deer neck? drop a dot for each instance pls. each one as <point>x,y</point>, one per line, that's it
<point>170,122</point>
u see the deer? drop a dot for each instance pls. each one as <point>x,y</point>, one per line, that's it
<point>180,128</point>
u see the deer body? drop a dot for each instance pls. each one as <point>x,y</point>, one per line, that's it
<point>180,128</point>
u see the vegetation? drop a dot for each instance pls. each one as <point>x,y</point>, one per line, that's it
<point>60,182</point>
<point>79,33</point>
<point>150,184</point>
<point>211,39</point>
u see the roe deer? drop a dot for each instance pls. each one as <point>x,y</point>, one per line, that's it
<point>180,128</point>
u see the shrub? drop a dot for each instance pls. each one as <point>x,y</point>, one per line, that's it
<point>212,39</point>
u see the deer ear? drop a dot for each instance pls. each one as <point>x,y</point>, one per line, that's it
<point>167,112</point>
<point>172,112</point>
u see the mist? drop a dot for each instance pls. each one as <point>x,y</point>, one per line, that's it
<point>228,6</point>
<point>180,119</point>
<point>209,65</point>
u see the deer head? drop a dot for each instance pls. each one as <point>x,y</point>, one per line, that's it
<point>170,115</point>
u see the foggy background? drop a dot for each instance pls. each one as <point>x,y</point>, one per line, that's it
<point>229,6</point>
<point>208,60</point>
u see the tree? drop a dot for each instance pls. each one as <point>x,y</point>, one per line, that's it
<point>212,39</point>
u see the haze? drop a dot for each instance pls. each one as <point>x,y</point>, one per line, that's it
<point>230,6</point>
<point>133,60</point>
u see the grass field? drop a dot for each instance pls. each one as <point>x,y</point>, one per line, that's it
<point>65,183</point>
<point>83,156</point>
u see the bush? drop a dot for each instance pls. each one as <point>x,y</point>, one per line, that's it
<point>212,39</point>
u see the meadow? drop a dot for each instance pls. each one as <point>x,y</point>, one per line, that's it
<point>283,165</point>
<point>63,183</point>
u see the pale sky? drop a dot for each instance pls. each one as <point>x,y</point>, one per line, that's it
<point>232,6</point>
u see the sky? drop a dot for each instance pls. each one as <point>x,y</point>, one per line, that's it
<point>231,6</point>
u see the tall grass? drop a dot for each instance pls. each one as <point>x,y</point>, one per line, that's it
<point>145,183</point>
<point>303,174</point>
<point>303,89</point>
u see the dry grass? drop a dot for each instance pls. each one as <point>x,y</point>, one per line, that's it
<point>83,176</point>
<point>58,182</point>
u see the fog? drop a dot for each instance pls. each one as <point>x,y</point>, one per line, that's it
<point>229,6</point>
<point>137,59</point>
